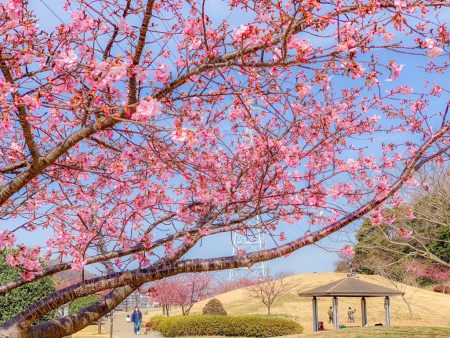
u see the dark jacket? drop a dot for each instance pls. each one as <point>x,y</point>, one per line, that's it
<point>136,316</point>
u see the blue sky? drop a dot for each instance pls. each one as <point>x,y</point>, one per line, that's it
<point>320,257</point>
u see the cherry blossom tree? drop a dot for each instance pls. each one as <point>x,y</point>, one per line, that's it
<point>163,293</point>
<point>433,272</point>
<point>182,291</point>
<point>192,289</point>
<point>133,130</point>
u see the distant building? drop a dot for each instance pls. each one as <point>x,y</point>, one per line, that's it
<point>138,299</point>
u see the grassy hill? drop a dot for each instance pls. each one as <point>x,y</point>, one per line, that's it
<point>429,308</point>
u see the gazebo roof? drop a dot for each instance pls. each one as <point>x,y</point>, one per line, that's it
<point>350,287</point>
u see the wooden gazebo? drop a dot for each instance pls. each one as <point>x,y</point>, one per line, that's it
<point>350,287</point>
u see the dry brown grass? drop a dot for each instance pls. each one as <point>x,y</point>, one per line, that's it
<point>429,308</point>
<point>90,332</point>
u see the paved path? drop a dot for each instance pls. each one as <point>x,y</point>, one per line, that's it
<point>123,329</point>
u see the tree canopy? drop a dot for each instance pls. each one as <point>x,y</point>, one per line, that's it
<point>21,298</point>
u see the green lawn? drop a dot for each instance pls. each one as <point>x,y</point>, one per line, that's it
<point>380,332</point>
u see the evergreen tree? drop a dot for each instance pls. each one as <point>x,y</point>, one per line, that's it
<point>21,298</point>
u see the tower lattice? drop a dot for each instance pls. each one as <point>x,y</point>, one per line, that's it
<point>249,241</point>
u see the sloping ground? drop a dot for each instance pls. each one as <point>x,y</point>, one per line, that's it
<point>429,308</point>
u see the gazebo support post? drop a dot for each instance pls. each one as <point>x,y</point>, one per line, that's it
<point>315,315</point>
<point>387,306</point>
<point>335,313</point>
<point>363,312</point>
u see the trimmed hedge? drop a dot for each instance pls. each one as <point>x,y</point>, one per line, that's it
<point>244,326</point>
<point>214,307</point>
<point>156,322</point>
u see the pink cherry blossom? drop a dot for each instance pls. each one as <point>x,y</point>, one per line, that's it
<point>78,264</point>
<point>410,214</point>
<point>303,90</point>
<point>400,4</point>
<point>124,27</point>
<point>7,240</point>
<point>395,69</point>
<point>147,109</point>
<point>434,51</point>
<point>65,61</point>
<point>405,233</point>
<point>241,32</point>
<point>347,251</point>
<point>180,135</point>
<point>377,217</point>
<point>81,21</point>
<point>428,43</point>
<point>196,43</point>
<point>162,73</point>
<point>5,88</point>
<point>31,102</point>
<point>387,37</point>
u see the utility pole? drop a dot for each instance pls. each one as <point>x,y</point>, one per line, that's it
<point>99,325</point>
<point>111,323</point>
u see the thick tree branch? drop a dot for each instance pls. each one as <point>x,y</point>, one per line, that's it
<point>26,128</point>
<point>25,177</point>
<point>65,326</point>
<point>139,50</point>
<point>13,167</point>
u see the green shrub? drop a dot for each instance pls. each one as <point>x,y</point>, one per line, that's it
<point>80,303</point>
<point>218,325</point>
<point>214,307</point>
<point>156,322</point>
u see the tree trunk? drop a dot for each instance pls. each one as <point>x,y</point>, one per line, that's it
<point>188,309</point>
<point>268,310</point>
<point>409,307</point>
<point>13,332</point>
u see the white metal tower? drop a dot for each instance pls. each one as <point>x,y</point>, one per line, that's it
<point>249,241</point>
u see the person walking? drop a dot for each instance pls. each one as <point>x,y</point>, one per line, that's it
<point>136,318</point>
<point>351,315</point>
<point>330,315</point>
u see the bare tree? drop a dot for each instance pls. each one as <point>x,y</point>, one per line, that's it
<point>269,289</point>
<point>400,283</point>
<point>422,225</point>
